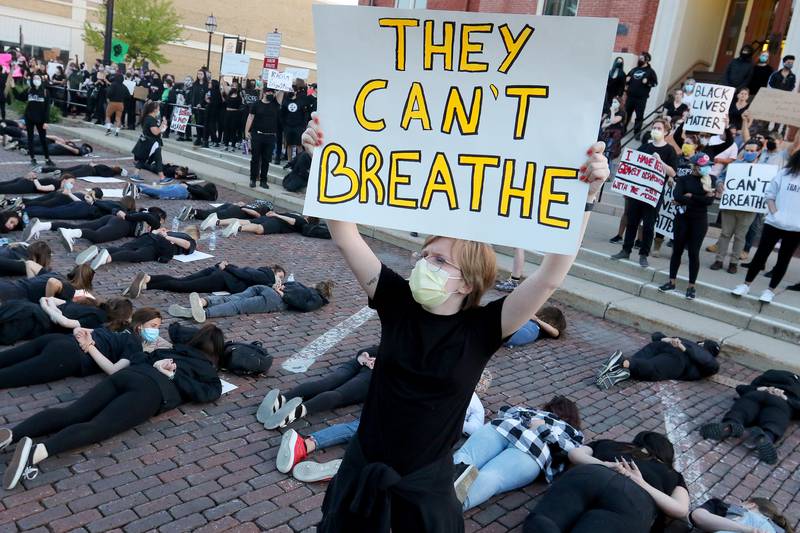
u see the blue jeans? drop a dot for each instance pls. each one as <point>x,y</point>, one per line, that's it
<point>528,333</point>
<point>502,467</point>
<point>335,434</point>
<point>168,192</point>
<point>256,299</point>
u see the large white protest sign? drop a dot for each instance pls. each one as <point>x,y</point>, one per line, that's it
<point>295,72</point>
<point>469,125</point>
<point>639,176</point>
<point>666,215</point>
<point>180,118</point>
<point>280,81</point>
<point>745,185</point>
<point>710,106</point>
<point>235,64</point>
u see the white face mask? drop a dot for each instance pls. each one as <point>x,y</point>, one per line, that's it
<point>37,82</point>
<point>428,286</point>
<point>656,135</point>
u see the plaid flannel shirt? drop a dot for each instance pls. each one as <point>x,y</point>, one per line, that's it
<point>513,423</point>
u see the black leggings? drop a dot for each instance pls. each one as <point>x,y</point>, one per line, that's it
<point>762,409</point>
<point>104,229</point>
<point>12,267</point>
<point>118,403</point>
<point>770,236</point>
<point>688,234</point>
<point>224,211</point>
<point>231,120</point>
<point>592,499</point>
<point>129,254</point>
<point>210,279</point>
<point>637,212</point>
<point>83,171</point>
<point>44,359</point>
<point>51,199</point>
<point>657,367</point>
<point>347,385</point>
<point>42,137</point>
<point>17,186</point>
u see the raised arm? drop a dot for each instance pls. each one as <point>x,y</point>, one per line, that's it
<point>360,258</point>
<point>526,299</point>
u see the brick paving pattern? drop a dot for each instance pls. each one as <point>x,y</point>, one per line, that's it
<point>212,467</point>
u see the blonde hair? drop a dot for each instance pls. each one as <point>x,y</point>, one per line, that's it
<point>478,265</point>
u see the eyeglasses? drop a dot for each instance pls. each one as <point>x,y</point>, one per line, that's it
<point>436,261</point>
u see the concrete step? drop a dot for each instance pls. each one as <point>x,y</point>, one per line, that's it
<point>622,291</point>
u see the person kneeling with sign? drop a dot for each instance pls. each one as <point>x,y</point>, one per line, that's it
<point>436,340</point>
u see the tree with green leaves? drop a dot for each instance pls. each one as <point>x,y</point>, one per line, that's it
<point>145,25</point>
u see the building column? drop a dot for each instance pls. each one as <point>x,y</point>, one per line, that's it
<point>792,42</point>
<point>76,44</point>
<point>663,45</point>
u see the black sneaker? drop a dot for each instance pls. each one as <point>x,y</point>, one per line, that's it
<point>288,413</point>
<point>643,261</point>
<point>49,162</point>
<point>263,184</point>
<point>615,239</point>
<point>637,244</point>
<point>610,379</point>
<point>464,476</point>
<point>621,255</point>
<point>252,184</point>
<point>762,443</point>
<point>691,294</point>
<point>721,430</point>
<point>668,286</point>
<point>21,465</point>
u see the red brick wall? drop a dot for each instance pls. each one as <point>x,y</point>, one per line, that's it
<point>638,16</point>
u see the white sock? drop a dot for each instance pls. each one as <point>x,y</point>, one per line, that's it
<point>78,233</point>
<point>46,225</point>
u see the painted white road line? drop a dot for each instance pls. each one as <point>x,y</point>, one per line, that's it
<point>302,360</point>
<point>686,459</point>
<point>74,160</point>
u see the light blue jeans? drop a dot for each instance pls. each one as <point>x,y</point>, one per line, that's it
<point>335,434</point>
<point>527,334</point>
<point>502,467</point>
<point>168,192</point>
<point>255,299</point>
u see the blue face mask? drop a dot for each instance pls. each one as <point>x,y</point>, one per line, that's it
<point>150,334</point>
<point>750,156</point>
<point>705,171</point>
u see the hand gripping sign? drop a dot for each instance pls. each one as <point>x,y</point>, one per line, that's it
<point>469,125</point>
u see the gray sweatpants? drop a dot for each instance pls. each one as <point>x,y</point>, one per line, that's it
<point>256,299</point>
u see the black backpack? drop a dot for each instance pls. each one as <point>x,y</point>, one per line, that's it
<point>245,359</point>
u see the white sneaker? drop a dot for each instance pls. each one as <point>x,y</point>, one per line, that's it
<point>210,222</point>
<point>87,255</point>
<point>741,290</point>
<point>232,229</point>
<point>767,296</point>
<point>35,226</point>
<point>198,312</point>
<point>123,173</point>
<point>100,260</point>
<point>68,238</point>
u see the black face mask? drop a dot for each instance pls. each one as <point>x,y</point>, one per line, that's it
<point>640,63</point>
<point>269,97</point>
<point>772,145</point>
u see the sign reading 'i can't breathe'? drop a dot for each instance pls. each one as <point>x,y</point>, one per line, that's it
<point>469,125</point>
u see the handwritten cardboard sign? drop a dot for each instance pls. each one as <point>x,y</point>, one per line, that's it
<point>468,125</point>
<point>666,215</point>
<point>235,65</point>
<point>180,118</point>
<point>774,105</point>
<point>280,81</point>
<point>709,108</point>
<point>639,176</point>
<point>745,185</point>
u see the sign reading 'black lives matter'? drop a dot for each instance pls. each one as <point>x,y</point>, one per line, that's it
<point>469,125</point>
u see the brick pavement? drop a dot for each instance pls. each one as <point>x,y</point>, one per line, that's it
<point>212,468</point>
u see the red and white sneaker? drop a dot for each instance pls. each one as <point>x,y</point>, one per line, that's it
<point>291,451</point>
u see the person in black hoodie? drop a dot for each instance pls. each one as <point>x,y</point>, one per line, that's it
<point>615,85</point>
<point>761,73</point>
<point>640,80</point>
<point>214,105</point>
<point>294,119</point>
<point>232,117</point>
<point>37,112</point>
<point>117,95</point>
<point>262,130</point>
<point>152,384</point>
<point>222,277</point>
<point>197,99</point>
<point>740,69</point>
<point>766,406</point>
<point>662,359</point>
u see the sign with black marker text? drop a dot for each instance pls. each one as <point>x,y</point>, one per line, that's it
<point>745,185</point>
<point>639,176</point>
<point>468,125</point>
<point>709,109</point>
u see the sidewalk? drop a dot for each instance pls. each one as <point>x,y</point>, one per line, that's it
<point>755,334</point>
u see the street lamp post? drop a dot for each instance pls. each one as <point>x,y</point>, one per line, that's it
<point>109,32</point>
<point>211,27</point>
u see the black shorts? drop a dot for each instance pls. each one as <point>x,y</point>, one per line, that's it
<point>293,134</point>
<point>272,225</point>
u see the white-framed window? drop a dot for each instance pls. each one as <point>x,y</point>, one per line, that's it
<point>564,8</point>
<point>410,4</point>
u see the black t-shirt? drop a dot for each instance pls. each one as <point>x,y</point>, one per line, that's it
<point>265,117</point>
<point>233,100</point>
<point>177,250</point>
<point>659,475</point>
<point>36,287</point>
<point>89,316</point>
<point>426,371</point>
<point>116,345</point>
<point>149,122</point>
<point>735,115</point>
<point>673,111</point>
<point>294,112</point>
<point>666,152</point>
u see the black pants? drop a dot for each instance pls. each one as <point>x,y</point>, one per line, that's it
<point>592,499</point>
<point>17,186</point>
<point>118,403</point>
<point>71,211</point>
<point>104,229</point>
<point>659,366</point>
<point>770,236</point>
<point>83,171</point>
<point>199,120</point>
<point>262,147</point>
<point>224,211</point>
<point>51,199</point>
<point>42,137</point>
<point>12,267</point>
<point>2,107</point>
<point>209,279</point>
<point>154,163</point>
<point>42,360</point>
<point>688,234</point>
<point>347,385</point>
<point>647,215</point>
<point>762,409</point>
<point>636,104</point>
<point>231,121</point>
<point>130,113</point>
<point>212,125</point>
<point>130,254</point>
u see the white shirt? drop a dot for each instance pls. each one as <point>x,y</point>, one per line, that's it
<point>729,153</point>
<point>474,417</point>
<point>130,85</point>
<point>784,190</point>
<point>778,158</point>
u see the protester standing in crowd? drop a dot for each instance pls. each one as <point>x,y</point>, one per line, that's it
<point>640,80</point>
<point>739,106</point>
<point>640,212</point>
<point>37,113</point>
<point>293,119</point>
<point>197,99</point>
<point>676,109</point>
<point>261,129</point>
<point>117,95</point>
<point>232,117</point>
<point>615,86</point>
<point>783,78</point>
<point>130,103</point>
<point>740,69</point>
<point>213,114</point>
<point>688,92</point>
<point>5,88</point>
<point>761,73</point>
